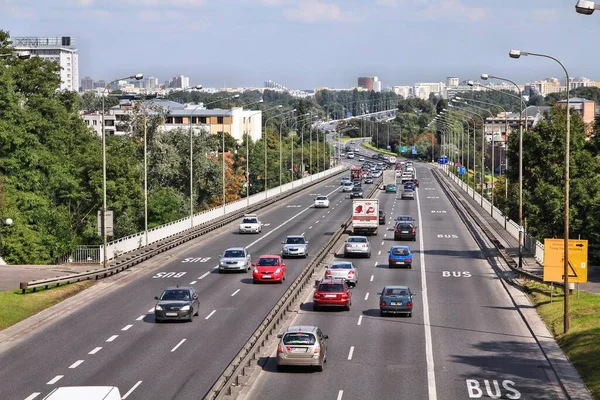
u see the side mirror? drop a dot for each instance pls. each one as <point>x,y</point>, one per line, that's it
<point>388,251</point>
<point>325,336</point>
<point>379,293</point>
<point>283,265</point>
<point>279,336</point>
<point>282,242</point>
<point>254,264</point>
<point>220,255</point>
<point>307,242</point>
<point>195,296</point>
<point>155,297</point>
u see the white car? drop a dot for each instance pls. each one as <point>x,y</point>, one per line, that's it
<point>321,201</point>
<point>250,224</point>
<point>361,159</point>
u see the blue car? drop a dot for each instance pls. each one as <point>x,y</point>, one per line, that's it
<point>400,255</point>
<point>396,300</point>
<point>409,185</point>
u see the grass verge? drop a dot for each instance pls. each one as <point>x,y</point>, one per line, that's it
<point>15,307</point>
<point>371,147</point>
<point>582,343</point>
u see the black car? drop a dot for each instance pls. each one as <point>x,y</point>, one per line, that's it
<point>356,192</point>
<point>176,303</point>
<point>405,231</point>
<point>381,217</point>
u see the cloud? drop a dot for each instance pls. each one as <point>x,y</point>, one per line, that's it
<point>315,11</point>
<point>546,15</point>
<point>163,3</point>
<point>16,9</point>
<point>388,3</point>
<point>436,9</point>
<point>272,3</point>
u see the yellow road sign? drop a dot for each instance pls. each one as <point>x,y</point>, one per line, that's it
<point>554,252</point>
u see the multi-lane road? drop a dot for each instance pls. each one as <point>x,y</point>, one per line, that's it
<point>464,340</point>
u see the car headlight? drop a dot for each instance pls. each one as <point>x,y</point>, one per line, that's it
<point>241,262</point>
<point>278,270</point>
<point>158,308</point>
<point>185,308</point>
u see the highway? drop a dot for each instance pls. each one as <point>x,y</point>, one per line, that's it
<point>465,339</point>
<point>114,341</point>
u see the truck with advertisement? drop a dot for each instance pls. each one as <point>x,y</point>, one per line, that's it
<point>389,176</point>
<point>365,216</point>
<point>356,173</point>
<point>392,160</point>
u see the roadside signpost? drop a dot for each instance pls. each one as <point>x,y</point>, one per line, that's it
<point>554,251</point>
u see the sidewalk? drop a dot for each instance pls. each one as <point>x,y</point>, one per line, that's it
<point>530,264</point>
<point>12,275</point>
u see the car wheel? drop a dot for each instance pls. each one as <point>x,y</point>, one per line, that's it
<point>347,308</point>
<point>197,312</point>
<point>409,266</point>
<point>382,313</point>
<point>315,307</point>
<point>369,255</point>
<point>409,315</point>
<point>345,255</point>
<point>191,318</point>
<point>254,281</point>
<point>320,368</point>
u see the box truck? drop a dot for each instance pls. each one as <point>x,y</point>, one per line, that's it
<point>365,216</point>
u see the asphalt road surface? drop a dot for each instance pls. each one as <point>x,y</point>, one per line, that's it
<point>465,340</point>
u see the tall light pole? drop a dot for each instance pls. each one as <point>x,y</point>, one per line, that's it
<point>281,153</point>
<point>104,207</point>
<point>518,54</point>
<point>266,124</point>
<point>521,230</point>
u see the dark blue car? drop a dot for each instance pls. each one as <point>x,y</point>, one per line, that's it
<point>400,255</point>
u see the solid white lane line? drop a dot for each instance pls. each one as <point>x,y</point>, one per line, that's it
<point>151,310</point>
<point>211,314</point>
<point>55,379</point>
<point>359,320</point>
<point>131,390</point>
<point>76,364</point>
<point>350,353</point>
<point>126,328</point>
<point>97,349</point>
<point>367,296</point>
<point>33,396</point>
<point>204,275</point>
<point>372,277</point>
<point>340,394</point>
<point>193,282</point>
<point>141,317</point>
<point>426,321</point>
<point>376,262</point>
<point>379,253</point>
<point>112,338</point>
<point>236,292</point>
<point>178,344</point>
<point>284,223</point>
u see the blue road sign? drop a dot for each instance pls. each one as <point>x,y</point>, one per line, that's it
<point>414,149</point>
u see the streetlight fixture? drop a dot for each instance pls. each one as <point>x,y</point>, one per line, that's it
<point>281,151</point>
<point>518,54</point>
<point>586,7</point>
<point>137,77</point>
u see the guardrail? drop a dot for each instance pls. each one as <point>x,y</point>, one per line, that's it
<point>242,364</point>
<point>461,209</point>
<point>130,259</point>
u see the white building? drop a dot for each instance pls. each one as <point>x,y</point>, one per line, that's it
<point>180,82</point>
<point>377,86</point>
<point>422,90</point>
<point>59,49</point>
<point>452,81</point>
<point>404,91</point>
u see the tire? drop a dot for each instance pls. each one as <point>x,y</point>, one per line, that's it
<point>191,318</point>
<point>409,266</point>
<point>315,307</point>
<point>382,313</point>
<point>345,255</point>
<point>319,368</point>
<point>254,281</point>
<point>347,308</point>
<point>197,312</point>
<point>369,255</point>
<point>409,315</point>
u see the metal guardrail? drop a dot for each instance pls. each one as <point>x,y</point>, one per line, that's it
<point>130,259</point>
<point>242,363</point>
<point>454,198</point>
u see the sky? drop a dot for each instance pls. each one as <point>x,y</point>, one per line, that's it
<point>303,44</point>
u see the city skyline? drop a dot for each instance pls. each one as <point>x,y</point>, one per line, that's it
<point>304,44</point>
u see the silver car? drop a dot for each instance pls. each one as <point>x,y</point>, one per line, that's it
<point>357,245</point>
<point>347,186</point>
<point>408,194</point>
<point>235,259</point>
<point>295,246</point>
<point>302,346</point>
<point>345,270</point>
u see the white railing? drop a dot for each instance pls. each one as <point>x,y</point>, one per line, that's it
<point>138,240</point>
<point>529,242</point>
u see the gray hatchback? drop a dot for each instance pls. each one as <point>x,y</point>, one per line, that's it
<point>302,346</point>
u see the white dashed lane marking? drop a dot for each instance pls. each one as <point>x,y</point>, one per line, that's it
<point>372,277</point>
<point>340,395</point>
<point>97,349</point>
<point>112,338</point>
<point>76,364</point>
<point>193,282</point>
<point>204,275</point>
<point>178,344</point>
<point>236,292</point>
<point>131,390</point>
<point>359,320</point>
<point>350,353</point>
<point>367,296</point>
<point>126,328</point>
<point>32,396</point>
<point>55,379</point>
<point>141,317</point>
<point>211,314</point>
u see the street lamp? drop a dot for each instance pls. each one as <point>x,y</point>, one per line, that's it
<point>137,77</point>
<point>486,77</point>
<point>266,125</point>
<point>235,96</point>
<point>586,7</point>
<point>518,54</point>
<point>281,151</point>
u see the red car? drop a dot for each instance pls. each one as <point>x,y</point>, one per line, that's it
<point>269,268</point>
<point>333,293</point>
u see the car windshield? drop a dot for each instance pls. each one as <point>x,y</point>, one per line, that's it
<point>341,266</point>
<point>294,240</point>
<point>404,218</point>
<point>268,262</point>
<point>357,240</point>
<point>398,251</point>
<point>408,191</point>
<point>331,287</point>
<point>356,189</point>
<point>321,198</point>
<point>347,183</point>
<point>405,226</point>
<point>233,254</point>
<point>396,292</point>
<point>299,338</point>
<point>391,186</point>
<point>175,295</point>
<point>250,221</point>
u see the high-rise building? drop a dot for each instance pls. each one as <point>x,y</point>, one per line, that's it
<point>62,50</point>
<point>100,84</point>
<point>377,86</point>
<point>87,83</point>
<point>180,82</point>
<point>452,81</point>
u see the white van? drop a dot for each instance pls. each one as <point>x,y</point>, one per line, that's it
<point>85,392</point>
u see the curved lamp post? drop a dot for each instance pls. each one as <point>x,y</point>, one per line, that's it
<point>137,77</point>
<point>518,54</point>
<point>586,7</point>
